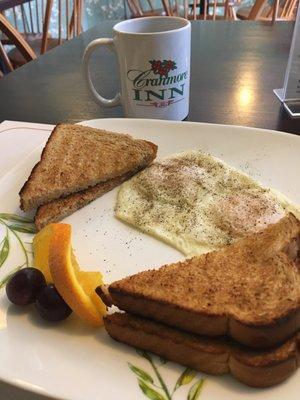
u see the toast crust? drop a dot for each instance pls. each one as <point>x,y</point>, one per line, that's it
<point>77,157</point>
<point>257,368</point>
<point>249,290</point>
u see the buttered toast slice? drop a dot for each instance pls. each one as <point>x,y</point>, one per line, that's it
<point>77,157</point>
<point>257,368</point>
<point>249,290</point>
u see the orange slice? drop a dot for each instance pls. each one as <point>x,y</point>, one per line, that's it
<point>76,287</point>
<point>53,255</point>
<point>89,280</point>
<point>40,245</point>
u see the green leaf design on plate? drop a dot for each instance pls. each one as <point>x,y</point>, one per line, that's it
<point>150,392</point>
<point>140,373</point>
<point>4,251</point>
<point>148,384</point>
<point>23,228</point>
<point>195,390</point>
<point>185,378</point>
<point>15,218</point>
<point>14,224</point>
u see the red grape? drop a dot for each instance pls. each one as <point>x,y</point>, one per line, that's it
<point>50,305</point>
<point>24,286</point>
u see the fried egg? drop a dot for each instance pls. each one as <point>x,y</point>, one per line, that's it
<point>197,203</point>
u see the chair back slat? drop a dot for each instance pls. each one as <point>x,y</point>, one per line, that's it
<point>75,5</point>
<point>43,7</point>
<point>270,12</point>
<point>5,59</point>
<point>38,28</point>
<point>72,22</point>
<point>176,7</point>
<point>214,9</point>
<point>131,7</point>
<point>172,8</point>
<point>167,7</point>
<point>59,22</point>
<point>138,7</point>
<point>24,20</point>
<point>67,20</point>
<point>185,9</point>
<point>284,10</point>
<point>32,30</point>
<point>257,9</point>
<point>135,8</point>
<point>150,4</point>
<point>205,10</point>
<point>195,9</point>
<point>15,17</point>
<point>274,12</point>
<point>79,11</point>
<point>46,25</point>
<point>226,10</point>
<point>79,19</point>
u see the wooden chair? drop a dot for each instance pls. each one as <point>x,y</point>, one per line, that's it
<point>17,40</point>
<point>138,10</point>
<point>35,23</point>
<point>263,11</point>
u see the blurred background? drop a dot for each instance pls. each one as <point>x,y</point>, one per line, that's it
<point>29,28</point>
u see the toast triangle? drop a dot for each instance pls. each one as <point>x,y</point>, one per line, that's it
<point>249,290</point>
<point>77,157</point>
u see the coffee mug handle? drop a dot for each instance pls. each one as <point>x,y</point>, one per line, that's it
<point>86,58</point>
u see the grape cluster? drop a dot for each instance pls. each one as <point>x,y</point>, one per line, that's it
<point>29,286</point>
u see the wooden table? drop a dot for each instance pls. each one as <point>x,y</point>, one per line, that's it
<point>235,67</point>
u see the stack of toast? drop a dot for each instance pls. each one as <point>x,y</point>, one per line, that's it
<point>234,310</point>
<point>78,165</point>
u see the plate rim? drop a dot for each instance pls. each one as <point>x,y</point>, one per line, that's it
<point>169,122</point>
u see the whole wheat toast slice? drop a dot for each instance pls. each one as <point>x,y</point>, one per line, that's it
<point>257,368</point>
<point>77,157</point>
<point>58,209</point>
<point>249,290</point>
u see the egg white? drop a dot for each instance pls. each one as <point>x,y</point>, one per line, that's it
<point>197,203</point>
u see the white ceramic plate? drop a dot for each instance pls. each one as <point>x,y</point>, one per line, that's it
<point>72,361</point>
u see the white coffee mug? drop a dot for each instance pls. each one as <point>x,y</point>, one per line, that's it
<point>154,65</point>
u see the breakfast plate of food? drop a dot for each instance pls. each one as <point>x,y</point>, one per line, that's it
<point>146,259</point>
